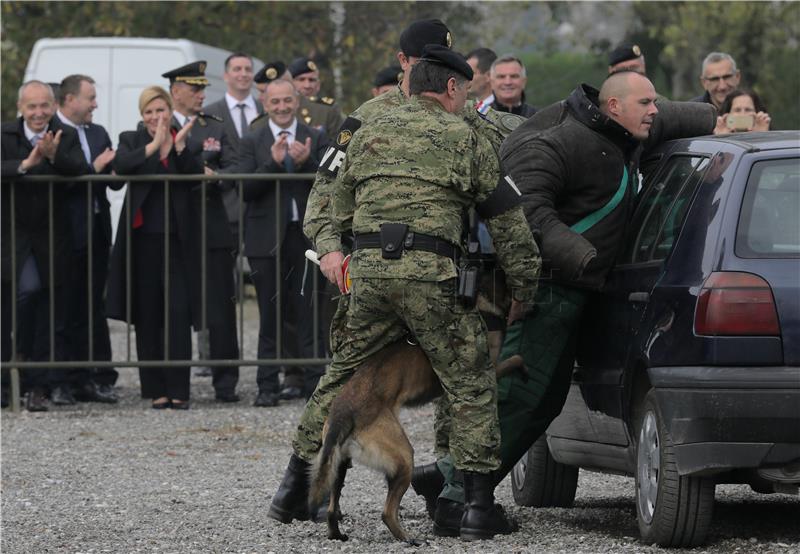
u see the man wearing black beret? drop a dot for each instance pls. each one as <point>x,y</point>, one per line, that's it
<point>315,111</point>
<point>263,77</point>
<point>626,57</point>
<point>387,79</point>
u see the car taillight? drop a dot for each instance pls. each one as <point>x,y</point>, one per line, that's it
<point>732,303</point>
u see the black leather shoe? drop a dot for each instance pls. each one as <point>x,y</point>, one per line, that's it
<point>291,499</point>
<point>92,392</point>
<point>62,396</point>
<point>179,405</point>
<point>36,401</point>
<point>427,481</point>
<point>227,396</point>
<point>447,520</point>
<point>483,519</point>
<point>202,372</point>
<point>266,400</point>
<point>291,393</point>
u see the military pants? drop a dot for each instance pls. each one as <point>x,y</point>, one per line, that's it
<point>381,311</point>
<point>546,341</point>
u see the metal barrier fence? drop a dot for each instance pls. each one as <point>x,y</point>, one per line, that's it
<point>279,181</point>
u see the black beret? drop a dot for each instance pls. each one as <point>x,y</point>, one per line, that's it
<point>426,31</point>
<point>624,52</point>
<point>302,65</point>
<point>192,74</point>
<point>388,76</point>
<point>441,55</point>
<point>270,72</point>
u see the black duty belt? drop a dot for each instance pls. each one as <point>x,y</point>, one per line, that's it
<point>412,241</point>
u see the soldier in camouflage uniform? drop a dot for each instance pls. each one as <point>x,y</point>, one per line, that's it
<point>290,500</point>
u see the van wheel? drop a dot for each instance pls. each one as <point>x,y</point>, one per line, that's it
<point>538,480</point>
<point>672,510</point>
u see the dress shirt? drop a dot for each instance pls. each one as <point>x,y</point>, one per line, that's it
<point>292,132</point>
<point>250,111</point>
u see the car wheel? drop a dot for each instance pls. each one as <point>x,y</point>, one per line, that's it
<point>672,510</point>
<point>538,480</point>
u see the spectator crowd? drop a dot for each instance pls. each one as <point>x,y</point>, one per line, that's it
<point>172,266</point>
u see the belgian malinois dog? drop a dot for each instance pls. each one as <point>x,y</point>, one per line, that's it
<point>363,425</point>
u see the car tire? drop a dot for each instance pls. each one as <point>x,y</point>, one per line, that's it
<point>672,510</point>
<point>538,480</point>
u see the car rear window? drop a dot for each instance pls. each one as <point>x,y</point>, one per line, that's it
<point>769,222</point>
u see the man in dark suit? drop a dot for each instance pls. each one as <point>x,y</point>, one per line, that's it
<point>36,144</point>
<point>187,84</point>
<point>237,110</point>
<point>77,101</point>
<point>273,230</point>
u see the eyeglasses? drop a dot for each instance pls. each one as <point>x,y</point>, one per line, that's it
<point>717,79</point>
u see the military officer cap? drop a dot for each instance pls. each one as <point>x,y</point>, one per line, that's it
<point>388,76</point>
<point>302,65</point>
<point>192,74</point>
<point>441,55</point>
<point>624,52</point>
<point>425,31</point>
<point>270,72</point>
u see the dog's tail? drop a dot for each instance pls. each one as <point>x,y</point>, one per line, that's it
<point>326,467</point>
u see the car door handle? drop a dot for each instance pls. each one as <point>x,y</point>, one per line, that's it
<point>643,297</point>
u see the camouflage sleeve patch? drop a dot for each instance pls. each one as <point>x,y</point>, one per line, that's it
<point>334,156</point>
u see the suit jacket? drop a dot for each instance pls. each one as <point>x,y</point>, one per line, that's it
<point>131,160</point>
<point>260,235</point>
<point>220,109</point>
<point>98,140</point>
<point>31,211</point>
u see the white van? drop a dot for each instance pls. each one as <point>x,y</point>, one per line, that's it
<point>122,67</point>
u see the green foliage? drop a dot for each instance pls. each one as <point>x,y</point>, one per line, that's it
<point>553,77</point>
<point>268,30</point>
<point>763,38</point>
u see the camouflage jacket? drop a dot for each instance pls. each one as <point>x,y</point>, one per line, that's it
<point>420,165</point>
<point>494,126</point>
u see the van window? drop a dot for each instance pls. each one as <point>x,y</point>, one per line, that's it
<point>664,206</point>
<point>769,221</point>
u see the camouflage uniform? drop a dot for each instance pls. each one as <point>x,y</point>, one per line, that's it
<point>318,227</point>
<point>427,182</point>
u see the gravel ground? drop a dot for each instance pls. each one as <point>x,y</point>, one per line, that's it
<point>125,478</point>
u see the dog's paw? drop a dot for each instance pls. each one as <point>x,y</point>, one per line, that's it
<point>337,536</point>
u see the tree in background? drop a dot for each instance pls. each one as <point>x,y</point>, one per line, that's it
<point>351,41</point>
<point>562,43</point>
<point>763,38</point>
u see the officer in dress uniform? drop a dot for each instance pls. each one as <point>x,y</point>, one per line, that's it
<point>315,111</point>
<point>187,88</point>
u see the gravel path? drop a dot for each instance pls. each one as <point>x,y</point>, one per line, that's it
<point>125,478</point>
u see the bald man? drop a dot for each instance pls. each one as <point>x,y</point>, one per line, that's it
<point>576,165</point>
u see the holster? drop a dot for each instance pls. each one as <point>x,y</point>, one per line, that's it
<point>392,237</point>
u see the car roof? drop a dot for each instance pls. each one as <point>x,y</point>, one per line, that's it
<point>750,142</point>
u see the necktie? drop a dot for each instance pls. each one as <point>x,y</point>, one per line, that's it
<point>288,162</point>
<point>84,144</point>
<point>35,139</point>
<point>242,120</point>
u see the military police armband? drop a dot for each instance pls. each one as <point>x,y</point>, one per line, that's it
<point>504,197</point>
<point>334,156</point>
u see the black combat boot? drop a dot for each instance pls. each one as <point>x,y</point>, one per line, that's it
<point>291,500</point>
<point>447,520</point>
<point>482,519</point>
<point>427,481</point>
